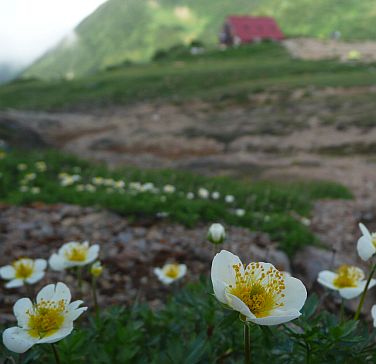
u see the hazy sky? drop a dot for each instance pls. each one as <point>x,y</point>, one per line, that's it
<point>30,27</point>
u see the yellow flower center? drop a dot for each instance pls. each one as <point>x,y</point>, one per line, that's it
<point>374,239</point>
<point>46,318</point>
<point>77,253</point>
<point>172,270</point>
<point>261,290</point>
<point>347,276</point>
<point>24,268</point>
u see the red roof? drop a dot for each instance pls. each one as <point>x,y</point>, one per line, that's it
<point>250,28</point>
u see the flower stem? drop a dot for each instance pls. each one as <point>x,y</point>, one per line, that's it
<point>95,298</point>
<point>79,279</point>
<point>247,344</point>
<point>357,313</point>
<point>56,354</point>
<point>342,311</point>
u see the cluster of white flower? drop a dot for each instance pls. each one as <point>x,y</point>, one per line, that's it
<point>50,318</point>
<point>350,281</point>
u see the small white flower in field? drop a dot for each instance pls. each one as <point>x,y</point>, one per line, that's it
<point>90,188</point>
<point>305,221</point>
<point>21,166</point>
<point>240,212</point>
<point>23,271</point>
<point>170,272</point>
<point>24,189</point>
<point>30,177</point>
<point>366,244</point>
<point>373,312</point>
<point>119,184</point>
<point>190,195</point>
<point>41,166</point>
<point>97,181</point>
<point>35,190</point>
<point>47,321</point>
<point>68,180</point>
<point>229,198</point>
<point>216,233</point>
<point>203,193</point>
<point>215,195</point>
<point>347,280</point>
<point>74,254</point>
<point>135,186</point>
<point>169,189</point>
<point>148,187</point>
<point>261,293</point>
<point>96,269</point>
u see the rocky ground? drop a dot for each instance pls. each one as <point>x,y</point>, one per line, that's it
<point>131,250</point>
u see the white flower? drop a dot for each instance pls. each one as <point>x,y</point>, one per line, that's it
<point>74,254</point>
<point>23,271</point>
<point>47,321</point>
<point>216,234</point>
<point>190,195</point>
<point>170,272</point>
<point>35,190</point>
<point>41,166</point>
<point>348,281</point>
<point>21,166</point>
<point>261,293</point>
<point>373,312</point>
<point>203,193</point>
<point>229,198</point>
<point>96,269</point>
<point>215,195</point>
<point>366,244</point>
<point>240,212</point>
<point>97,180</point>
<point>169,189</point>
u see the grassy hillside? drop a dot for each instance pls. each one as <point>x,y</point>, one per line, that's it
<point>135,29</point>
<point>214,76</point>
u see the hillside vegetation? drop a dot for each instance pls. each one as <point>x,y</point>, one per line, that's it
<point>135,30</point>
<point>179,76</point>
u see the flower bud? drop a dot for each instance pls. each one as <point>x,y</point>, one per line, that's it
<point>216,234</point>
<point>96,269</point>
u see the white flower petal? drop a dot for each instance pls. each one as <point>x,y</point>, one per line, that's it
<point>365,231</point>
<point>238,305</point>
<point>365,248</point>
<point>326,279</point>
<point>17,340</point>
<point>75,304</point>
<point>40,264</point>
<point>219,288</point>
<point>7,272</point>
<point>56,262</point>
<point>295,294</point>
<point>92,253</point>
<point>182,271</point>
<point>351,292</point>
<point>20,309</point>
<point>62,292</point>
<point>61,334</point>
<point>373,313</point>
<point>76,313</point>
<point>46,293</point>
<point>15,283</point>
<point>276,317</point>
<point>35,277</point>
<point>222,271</point>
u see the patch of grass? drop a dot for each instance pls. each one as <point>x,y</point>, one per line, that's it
<point>213,76</point>
<point>269,207</point>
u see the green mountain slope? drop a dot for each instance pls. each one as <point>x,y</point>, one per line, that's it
<point>135,29</point>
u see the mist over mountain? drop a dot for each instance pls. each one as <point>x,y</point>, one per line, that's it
<point>8,72</point>
<point>121,30</point>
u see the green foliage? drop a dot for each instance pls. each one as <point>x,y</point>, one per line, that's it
<point>274,208</point>
<point>194,328</point>
<point>135,29</point>
<point>215,76</point>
